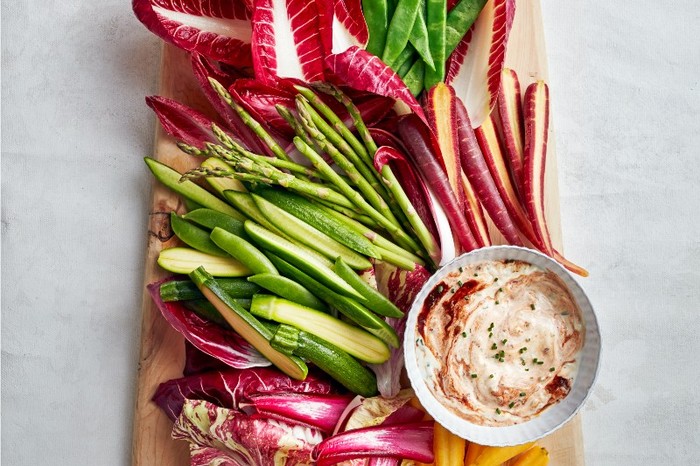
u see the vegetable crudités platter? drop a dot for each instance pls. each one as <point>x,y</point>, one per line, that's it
<point>315,164</point>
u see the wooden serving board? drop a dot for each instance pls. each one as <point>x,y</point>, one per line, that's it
<point>162,349</point>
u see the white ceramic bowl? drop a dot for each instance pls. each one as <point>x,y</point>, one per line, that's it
<point>553,417</point>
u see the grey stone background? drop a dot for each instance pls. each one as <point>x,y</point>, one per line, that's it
<point>626,106</point>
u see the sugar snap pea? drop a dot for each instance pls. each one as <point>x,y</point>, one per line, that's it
<point>400,28</point>
<point>415,78</point>
<point>376,301</point>
<point>436,16</point>
<point>459,20</point>
<point>419,37</point>
<point>242,250</point>
<point>194,236</point>
<point>377,18</point>
<point>211,219</point>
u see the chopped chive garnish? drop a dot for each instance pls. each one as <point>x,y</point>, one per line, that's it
<point>491,376</point>
<point>532,306</point>
<point>459,282</point>
<point>490,334</point>
<point>461,269</point>
<point>493,346</point>
<point>464,334</point>
<point>498,411</point>
<point>496,301</point>
<point>512,403</point>
<point>522,393</point>
<point>473,376</point>
<point>522,350</point>
<point>551,369</point>
<point>503,342</point>
<point>495,279</point>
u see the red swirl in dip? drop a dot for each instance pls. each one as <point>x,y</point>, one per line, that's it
<point>498,341</point>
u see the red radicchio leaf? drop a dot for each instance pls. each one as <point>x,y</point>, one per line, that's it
<point>362,70</point>
<point>218,29</point>
<point>478,78</point>
<point>225,345</point>
<point>411,182</point>
<point>404,415</point>
<point>197,362</point>
<point>319,411</point>
<point>182,122</point>
<point>232,387</point>
<point>260,99</point>
<point>203,70</point>
<point>288,39</point>
<point>411,441</point>
<point>349,26</point>
<point>379,461</point>
<point>243,440</point>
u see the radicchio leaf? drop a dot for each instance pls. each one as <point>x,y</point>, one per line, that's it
<point>244,440</point>
<point>401,287</point>
<point>197,362</point>
<point>478,79</point>
<point>288,39</point>
<point>218,29</point>
<point>377,410</point>
<point>410,441</point>
<point>349,26</point>
<point>232,387</point>
<point>182,122</point>
<point>361,70</point>
<point>203,70</point>
<point>225,345</point>
<point>318,411</point>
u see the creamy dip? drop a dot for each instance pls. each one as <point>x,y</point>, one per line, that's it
<point>498,341</point>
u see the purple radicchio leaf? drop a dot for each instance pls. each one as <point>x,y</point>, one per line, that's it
<point>318,411</point>
<point>218,29</point>
<point>223,344</point>
<point>244,440</point>
<point>182,122</point>
<point>232,387</point>
<point>197,362</point>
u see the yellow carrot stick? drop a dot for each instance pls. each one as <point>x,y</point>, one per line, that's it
<point>441,445</point>
<point>494,456</point>
<point>536,456</point>
<point>473,452</point>
<point>458,447</point>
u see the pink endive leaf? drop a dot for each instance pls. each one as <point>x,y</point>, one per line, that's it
<point>410,441</point>
<point>319,411</point>
<point>203,69</point>
<point>288,39</point>
<point>218,29</point>
<point>225,345</point>
<point>363,71</point>
<point>182,122</point>
<point>479,77</point>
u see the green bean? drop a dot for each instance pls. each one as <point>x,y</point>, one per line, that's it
<point>400,29</point>
<point>459,20</point>
<point>436,14</point>
<point>419,37</point>
<point>377,17</point>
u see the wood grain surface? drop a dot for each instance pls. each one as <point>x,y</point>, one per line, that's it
<point>162,349</point>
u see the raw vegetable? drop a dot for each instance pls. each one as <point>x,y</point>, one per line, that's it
<point>287,40</point>
<point>477,172</point>
<point>181,290</point>
<point>313,215</point>
<point>399,29</point>
<point>328,357</point>
<point>448,448</point>
<point>419,37</point>
<point>245,203</point>
<point>423,148</point>
<point>349,14</point>
<point>172,179</point>
<point>376,301</point>
<point>410,441</point>
<point>350,308</point>
<point>211,219</point>
<point>225,345</point>
<point>233,387</point>
<point>182,122</point>
<point>535,456</point>
<point>354,341</point>
<point>228,437</point>
<point>185,260</point>
<point>287,288</point>
<point>459,20</point>
<point>318,411</point>
<point>510,110</point>
<point>473,452</point>
<point>222,184</point>
<point>300,258</point>
<point>246,325</point>
<point>242,250</point>
<point>307,234</point>
<point>377,17</point>
<point>494,456</point>
<point>194,236</point>
<point>219,29</point>
<point>436,17</point>
<point>477,80</point>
